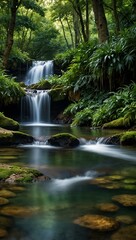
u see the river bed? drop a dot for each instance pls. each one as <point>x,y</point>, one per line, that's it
<point>49,210</point>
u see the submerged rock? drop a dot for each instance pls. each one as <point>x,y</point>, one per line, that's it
<point>98,222</point>
<point>65,140</point>
<point>125,233</point>
<point>126,200</point>
<point>125,219</point>
<point>107,207</point>
<point>6,193</point>
<point>3,201</point>
<point>18,211</point>
<point>3,233</point>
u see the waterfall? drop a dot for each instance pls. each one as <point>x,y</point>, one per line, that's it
<point>35,107</point>
<point>39,70</point>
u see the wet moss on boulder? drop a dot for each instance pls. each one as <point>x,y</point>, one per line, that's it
<point>16,174</point>
<point>65,140</point>
<point>8,137</point>
<point>120,123</point>
<point>8,123</point>
<point>42,85</point>
<point>128,138</point>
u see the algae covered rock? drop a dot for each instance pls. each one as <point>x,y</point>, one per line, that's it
<point>65,140</point>
<point>128,138</point>
<point>8,137</point>
<point>120,123</point>
<point>18,211</point>
<point>127,200</point>
<point>42,85</point>
<point>8,123</point>
<point>15,174</point>
<point>97,222</point>
<point>125,233</point>
<point>107,207</point>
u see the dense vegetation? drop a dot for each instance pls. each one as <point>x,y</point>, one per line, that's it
<point>97,53</point>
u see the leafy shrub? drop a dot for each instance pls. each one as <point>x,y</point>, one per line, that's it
<point>10,91</point>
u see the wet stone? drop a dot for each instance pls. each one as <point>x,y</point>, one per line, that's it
<point>107,207</point>
<point>3,201</point>
<point>125,233</point>
<point>18,211</point>
<point>6,193</point>
<point>5,222</point>
<point>126,219</point>
<point>126,200</point>
<point>97,222</point>
<point>3,233</point>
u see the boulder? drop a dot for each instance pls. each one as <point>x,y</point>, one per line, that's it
<point>97,222</point>
<point>65,140</point>
<point>8,123</point>
<point>8,137</point>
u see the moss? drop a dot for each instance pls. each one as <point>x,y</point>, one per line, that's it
<point>120,123</point>
<point>63,140</point>
<point>8,123</point>
<point>42,85</point>
<point>18,174</point>
<point>8,137</point>
<point>128,138</point>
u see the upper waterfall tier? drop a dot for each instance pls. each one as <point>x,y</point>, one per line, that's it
<point>38,71</point>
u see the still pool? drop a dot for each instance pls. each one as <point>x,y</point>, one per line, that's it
<point>82,180</point>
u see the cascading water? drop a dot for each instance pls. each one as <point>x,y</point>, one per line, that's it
<point>39,70</point>
<point>35,106</point>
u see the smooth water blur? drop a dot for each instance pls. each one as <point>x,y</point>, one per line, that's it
<point>55,205</point>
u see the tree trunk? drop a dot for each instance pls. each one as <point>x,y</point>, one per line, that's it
<point>63,29</point>
<point>79,12</point>
<point>76,28</point>
<point>70,31</point>
<point>87,20</point>
<point>115,13</point>
<point>10,32</point>
<point>100,20</point>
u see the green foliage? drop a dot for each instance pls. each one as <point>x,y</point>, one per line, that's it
<point>10,91</point>
<point>83,118</point>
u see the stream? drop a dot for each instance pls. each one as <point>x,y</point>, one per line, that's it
<point>48,210</point>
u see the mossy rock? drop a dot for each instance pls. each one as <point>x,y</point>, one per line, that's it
<point>127,200</point>
<point>19,211</point>
<point>128,138</point>
<point>97,222</point>
<point>15,174</point>
<point>58,94</point>
<point>125,233</point>
<point>8,123</point>
<point>120,123</point>
<point>42,85</point>
<point>63,140</point>
<point>107,207</point>
<point>8,137</point>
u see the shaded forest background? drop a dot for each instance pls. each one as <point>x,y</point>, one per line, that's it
<point>92,42</point>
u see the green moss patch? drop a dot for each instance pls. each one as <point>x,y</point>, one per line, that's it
<point>120,123</point>
<point>42,85</point>
<point>63,140</point>
<point>8,137</point>
<point>18,174</point>
<point>128,138</point>
<point>8,123</point>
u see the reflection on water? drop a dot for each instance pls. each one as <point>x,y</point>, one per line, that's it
<point>82,178</point>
